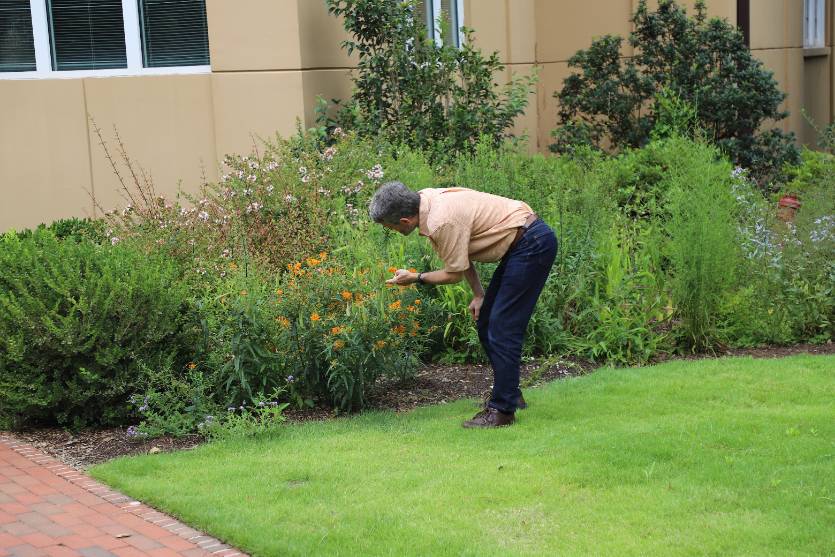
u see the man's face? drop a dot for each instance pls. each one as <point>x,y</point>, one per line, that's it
<point>405,226</point>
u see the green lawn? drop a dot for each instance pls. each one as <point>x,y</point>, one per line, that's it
<point>711,457</point>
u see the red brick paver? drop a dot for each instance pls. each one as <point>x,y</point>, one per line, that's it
<point>48,509</point>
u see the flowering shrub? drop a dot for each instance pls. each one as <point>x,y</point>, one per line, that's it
<point>323,331</point>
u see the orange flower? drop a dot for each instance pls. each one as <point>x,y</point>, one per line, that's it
<point>358,297</point>
<point>336,330</point>
<point>413,270</point>
<point>283,321</point>
<point>192,365</point>
<point>323,255</point>
<point>315,316</point>
<point>400,329</point>
<point>417,302</point>
<point>394,305</point>
<point>338,344</point>
<point>279,292</point>
<point>392,270</point>
<point>379,344</point>
<point>411,308</point>
<point>233,265</point>
<point>312,261</point>
<point>416,325</point>
<point>346,295</point>
<point>244,293</point>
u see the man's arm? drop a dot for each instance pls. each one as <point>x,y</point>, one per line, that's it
<point>404,277</point>
<point>475,283</point>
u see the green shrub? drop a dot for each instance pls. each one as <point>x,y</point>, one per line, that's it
<point>76,321</point>
<point>614,100</point>
<point>412,91</point>
<point>703,243</point>
<point>73,228</point>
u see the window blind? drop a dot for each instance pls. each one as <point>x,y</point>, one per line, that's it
<point>174,33</point>
<point>86,34</point>
<point>17,44</point>
<point>423,12</point>
<point>815,23</point>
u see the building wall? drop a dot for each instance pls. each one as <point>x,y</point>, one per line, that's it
<point>270,60</point>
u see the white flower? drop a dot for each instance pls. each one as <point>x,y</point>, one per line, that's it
<point>183,212</point>
<point>337,132</point>
<point>114,240</point>
<point>203,215</point>
<point>269,190</point>
<point>241,174</point>
<point>225,254</point>
<point>251,178</point>
<point>253,164</point>
<point>329,153</point>
<point>253,207</point>
<point>203,202</point>
<point>302,170</point>
<point>247,192</point>
<point>127,210</point>
<point>224,178</point>
<point>289,198</point>
<point>273,165</point>
<point>376,172</point>
<point>305,178</point>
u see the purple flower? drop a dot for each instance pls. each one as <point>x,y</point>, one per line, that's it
<point>291,379</point>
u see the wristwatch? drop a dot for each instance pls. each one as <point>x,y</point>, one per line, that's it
<point>420,279</point>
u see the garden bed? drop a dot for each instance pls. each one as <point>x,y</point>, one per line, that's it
<point>434,384</point>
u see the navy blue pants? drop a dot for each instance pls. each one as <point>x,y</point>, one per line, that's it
<point>508,305</point>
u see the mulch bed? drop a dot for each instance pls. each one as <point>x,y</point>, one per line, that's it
<point>434,384</point>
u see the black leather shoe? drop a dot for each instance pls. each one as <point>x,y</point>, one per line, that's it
<point>489,418</point>
<point>520,403</point>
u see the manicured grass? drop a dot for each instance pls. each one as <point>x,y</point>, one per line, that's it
<point>712,457</point>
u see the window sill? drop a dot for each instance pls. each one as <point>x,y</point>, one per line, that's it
<point>816,51</point>
<point>121,72</point>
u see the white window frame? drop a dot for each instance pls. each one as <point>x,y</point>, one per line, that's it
<point>436,11</point>
<point>814,23</point>
<point>133,49</point>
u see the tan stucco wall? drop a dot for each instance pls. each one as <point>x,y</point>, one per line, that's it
<point>271,58</point>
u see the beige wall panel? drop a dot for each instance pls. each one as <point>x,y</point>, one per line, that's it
<point>254,34</point>
<point>551,77</point>
<point>489,20</point>
<point>166,125</point>
<point>321,34</point>
<point>44,155</point>
<point>776,24</point>
<point>775,61</point>
<point>526,124</point>
<point>522,30</point>
<point>330,84</point>
<point>564,27</point>
<point>249,107</point>
<point>794,87</point>
<point>817,96</point>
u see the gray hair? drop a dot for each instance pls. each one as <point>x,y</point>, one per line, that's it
<point>392,202</point>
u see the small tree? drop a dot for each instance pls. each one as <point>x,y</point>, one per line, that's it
<point>613,100</point>
<point>411,90</point>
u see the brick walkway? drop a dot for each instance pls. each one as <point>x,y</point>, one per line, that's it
<point>50,509</point>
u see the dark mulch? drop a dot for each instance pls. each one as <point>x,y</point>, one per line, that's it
<point>434,384</point>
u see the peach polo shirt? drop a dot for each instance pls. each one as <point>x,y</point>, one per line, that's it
<point>466,225</point>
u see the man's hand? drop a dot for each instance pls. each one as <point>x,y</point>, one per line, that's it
<point>475,306</point>
<point>403,277</point>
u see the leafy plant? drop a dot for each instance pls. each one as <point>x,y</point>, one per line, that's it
<point>413,91</point>
<point>77,321</point>
<point>614,99</point>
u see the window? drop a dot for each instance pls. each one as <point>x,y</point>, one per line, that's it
<point>17,46</point>
<point>814,12</point>
<point>174,33</point>
<point>451,12</point>
<point>86,34</point>
<point>80,38</point>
